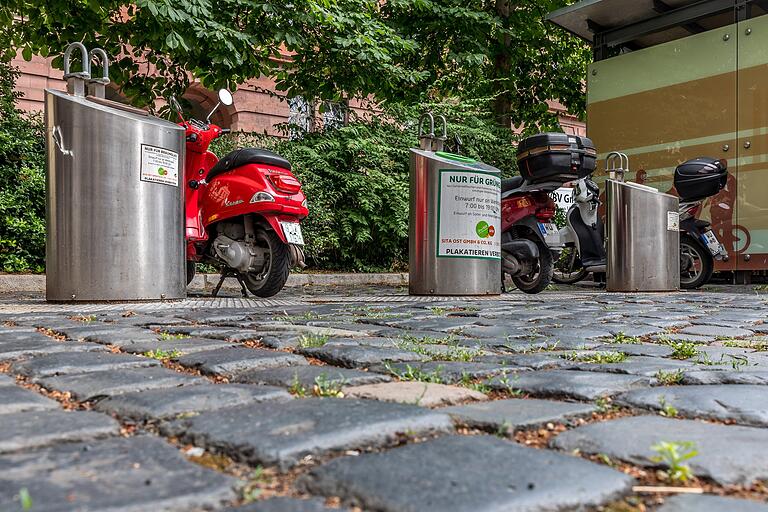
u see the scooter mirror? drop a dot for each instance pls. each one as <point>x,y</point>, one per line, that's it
<point>175,106</point>
<point>225,97</point>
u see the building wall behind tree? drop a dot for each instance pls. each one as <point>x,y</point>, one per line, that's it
<point>257,106</point>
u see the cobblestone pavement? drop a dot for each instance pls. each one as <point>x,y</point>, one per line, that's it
<point>372,400</point>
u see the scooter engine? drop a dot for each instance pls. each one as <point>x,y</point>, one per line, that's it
<point>238,250</point>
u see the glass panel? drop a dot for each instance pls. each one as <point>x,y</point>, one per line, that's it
<point>749,234</point>
<point>666,104</point>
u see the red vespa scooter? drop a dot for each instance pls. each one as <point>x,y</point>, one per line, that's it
<point>242,211</point>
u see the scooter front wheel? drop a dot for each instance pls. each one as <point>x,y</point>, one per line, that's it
<point>272,277</point>
<point>568,268</point>
<point>541,275</point>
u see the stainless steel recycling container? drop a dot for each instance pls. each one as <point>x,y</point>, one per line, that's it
<point>643,239</point>
<point>115,202</point>
<point>454,225</point>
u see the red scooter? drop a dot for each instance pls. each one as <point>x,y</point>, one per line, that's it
<point>242,211</point>
<point>527,234</point>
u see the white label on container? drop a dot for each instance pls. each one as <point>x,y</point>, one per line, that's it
<point>673,221</point>
<point>469,215</point>
<point>159,165</point>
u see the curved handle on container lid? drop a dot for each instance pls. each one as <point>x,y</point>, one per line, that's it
<point>444,136</point>
<point>86,72</point>
<point>431,125</point>
<point>98,52</point>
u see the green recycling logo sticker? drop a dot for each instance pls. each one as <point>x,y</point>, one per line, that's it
<point>482,229</point>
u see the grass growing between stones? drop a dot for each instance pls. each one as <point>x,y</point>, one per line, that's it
<point>596,357</point>
<point>669,378</point>
<point>167,336</point>
<point>666,409</point>
<point>322,387</point>
<point>682,349</point>
<point>674,455</point>
<point>416,374</point>
<point>312,340</point>
<point>308,316</point>
<point>620,337</point>
<point>163,355</point>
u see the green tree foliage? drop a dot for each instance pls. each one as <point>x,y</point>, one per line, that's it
<point>392,51</point>
<point>22,182</point>
<point>501,48</point>
<point>221,42</point>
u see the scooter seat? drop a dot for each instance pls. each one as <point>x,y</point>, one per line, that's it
<point>511,183</point>
<point>240,157</point>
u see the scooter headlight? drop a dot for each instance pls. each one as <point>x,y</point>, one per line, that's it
<point>262,197</point>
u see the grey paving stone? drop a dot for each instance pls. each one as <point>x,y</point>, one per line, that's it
<point>172,402</point>
<point>467,474</point>
<point>639,349</point>
<point>17,399</point>
<point>6,380</point>
<point>95,385</point>
<point>133,474</point>
<point>15,349</point>
<point>709,503</point>
<point>121,336</point>
<point>219,333</point>
<point>538,361</point>
<point>745,405</point>
<point>725,377</point>
<point>728,454</point>
<point>183,346</point>
<point>570,383</point>
<point>691,338</point>
<point>629,328</point>
<point>34,429</point>
<point>516,414</point>
<point>63,363</point>
<point>285,505</point>
<point>359,356</point>
<point>28,334</point>
<point>586,333</point>
<point>282,436</point>
<point>716,331</point>
<point>232,361</point>
<point>307,376</point>
<point>425,394</point>
<point>449,372</point>
<point>636,365</point>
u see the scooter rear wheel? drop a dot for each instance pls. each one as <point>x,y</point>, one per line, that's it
<point>541,275</point>
<point>696,264</point>
<point>273,276</point>
<point>190,271</point>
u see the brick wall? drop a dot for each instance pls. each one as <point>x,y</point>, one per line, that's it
<point>254,109</point>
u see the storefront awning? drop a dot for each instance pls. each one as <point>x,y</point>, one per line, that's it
<point>638,24</point>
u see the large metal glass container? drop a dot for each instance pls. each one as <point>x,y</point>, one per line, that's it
<point>115,200</point>
<point>643,239</point>
<point>455,225</point>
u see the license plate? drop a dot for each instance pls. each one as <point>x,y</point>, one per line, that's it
<point>711,241</point>
<point>547,229</point>
<point>551,234</point>
<point>292,231</point>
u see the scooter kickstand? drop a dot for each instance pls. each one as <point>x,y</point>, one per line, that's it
<point>243,289</point>
<point>218,286</point>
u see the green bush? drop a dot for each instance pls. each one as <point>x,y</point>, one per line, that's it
<point>22,182</point>
<point>356,181</point>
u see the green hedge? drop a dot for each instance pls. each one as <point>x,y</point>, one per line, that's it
<point>355,179</point>
<point>22,183</point>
